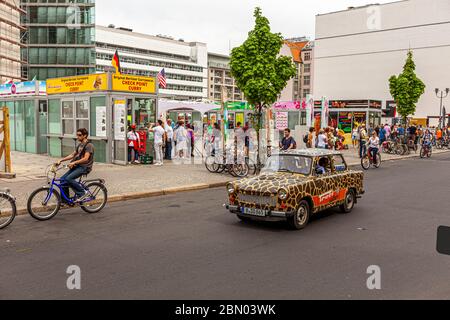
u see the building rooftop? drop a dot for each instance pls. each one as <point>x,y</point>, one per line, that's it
<point>128,31</point>
<point>361,7</point>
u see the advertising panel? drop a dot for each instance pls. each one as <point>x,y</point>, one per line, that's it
<point>86,83</point>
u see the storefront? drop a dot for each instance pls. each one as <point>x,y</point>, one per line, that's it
<point>106,104</point>
<point>236,112</point>
<point>347,114</point>
<point>27,105</point>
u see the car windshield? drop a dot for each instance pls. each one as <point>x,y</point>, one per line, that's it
<point>289,163</point>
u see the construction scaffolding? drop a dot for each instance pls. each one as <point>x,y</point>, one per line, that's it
<point>10,41</point>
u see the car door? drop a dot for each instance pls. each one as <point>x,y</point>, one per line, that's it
<point>341,174</point>
<point>326,185</point>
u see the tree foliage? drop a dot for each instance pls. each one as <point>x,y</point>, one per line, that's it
<point>407,88</point>
<point>259,70</point>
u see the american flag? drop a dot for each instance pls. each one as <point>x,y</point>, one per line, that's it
<point>162,79</point>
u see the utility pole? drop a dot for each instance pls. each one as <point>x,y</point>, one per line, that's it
<point>441,95</point>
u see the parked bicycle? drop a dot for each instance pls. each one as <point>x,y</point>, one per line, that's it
<point>45,203</point>
<point>8,208</point>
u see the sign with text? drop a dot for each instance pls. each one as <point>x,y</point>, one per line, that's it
<point>124,83</point>
<point>87,83</point>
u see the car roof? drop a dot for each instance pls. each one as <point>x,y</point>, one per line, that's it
<point>310,153</point>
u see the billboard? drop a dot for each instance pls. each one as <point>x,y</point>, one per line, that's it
<point>135,84</point>
<point>86,83</point>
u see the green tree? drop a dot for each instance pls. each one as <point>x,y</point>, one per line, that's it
<point>259,70</point>
<point>406,89</point>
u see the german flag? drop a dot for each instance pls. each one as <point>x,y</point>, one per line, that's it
<point>116,62</point>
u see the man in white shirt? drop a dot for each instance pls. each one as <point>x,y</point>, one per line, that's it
<point>169,132</point>
<point>160,135</point>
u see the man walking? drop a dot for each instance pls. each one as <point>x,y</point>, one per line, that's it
<point>169,132</point>
<point>363,138</point>
<point>160,136</point>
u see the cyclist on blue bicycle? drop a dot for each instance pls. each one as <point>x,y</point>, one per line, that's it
<point>81,163</point>
<point>427,138</point>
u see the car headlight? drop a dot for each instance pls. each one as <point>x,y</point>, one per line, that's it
<point>283,194</point>
<point>230,188</point>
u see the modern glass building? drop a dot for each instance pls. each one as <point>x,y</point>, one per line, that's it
<point>60,38</point>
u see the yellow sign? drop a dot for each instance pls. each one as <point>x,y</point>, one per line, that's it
<point>87,83</point>
<point>134,84</point>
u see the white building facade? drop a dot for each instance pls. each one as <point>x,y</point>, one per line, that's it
<point>185,63</point>
<point>358,50</point>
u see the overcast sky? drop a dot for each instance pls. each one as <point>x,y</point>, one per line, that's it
<point>217,23</point>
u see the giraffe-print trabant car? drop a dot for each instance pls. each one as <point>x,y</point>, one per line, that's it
<point>295,185</point>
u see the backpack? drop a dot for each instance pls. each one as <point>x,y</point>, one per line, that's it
<point>306,138</point>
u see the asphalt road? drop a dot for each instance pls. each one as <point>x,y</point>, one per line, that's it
<point>187,246</point>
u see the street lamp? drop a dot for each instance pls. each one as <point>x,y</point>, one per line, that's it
<point>441,95</point>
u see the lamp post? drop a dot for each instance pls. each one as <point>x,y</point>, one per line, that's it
<point>441,95</point>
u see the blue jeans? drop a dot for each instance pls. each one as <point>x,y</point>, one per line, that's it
<point>71,178</point>
<point>374,153</point>
<point>362,148</point>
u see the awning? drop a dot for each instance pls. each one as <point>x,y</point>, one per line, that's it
<point>164,106</point>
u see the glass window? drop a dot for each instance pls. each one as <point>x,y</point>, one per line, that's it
<point>339,163</point>
<point>30,126</point>
<point>82,115</point>
<point>20,126</point>
<point>68,117</point>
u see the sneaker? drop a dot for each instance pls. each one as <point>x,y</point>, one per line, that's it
<point>83,197</point>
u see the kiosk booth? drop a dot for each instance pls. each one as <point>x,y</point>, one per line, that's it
<point>27,105</point>
<point>346,114</point>
<point>106,104</point>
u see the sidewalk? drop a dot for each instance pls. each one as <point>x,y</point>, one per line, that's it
<point>135,182</point>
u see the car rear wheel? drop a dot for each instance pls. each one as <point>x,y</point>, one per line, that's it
<point>301,218</point>
<point>349,202</point>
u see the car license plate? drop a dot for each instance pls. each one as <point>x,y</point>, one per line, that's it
<point>254,212</point>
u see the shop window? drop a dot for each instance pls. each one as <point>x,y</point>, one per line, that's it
<point>82,115</point>
<point>68,117</point>
<point>54,117</point>
<point>293,120</point>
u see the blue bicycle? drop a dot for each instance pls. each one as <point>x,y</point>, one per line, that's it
<point>45,203</point>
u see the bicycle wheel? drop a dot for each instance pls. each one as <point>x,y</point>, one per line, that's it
<point>7,210</point>
<point>377,163</point>
<point>241,170</point>
<point>365,163</point>
<point>97,199</point>
<point>43,205</point>
<point>210,164</point>
<point>423,153</point>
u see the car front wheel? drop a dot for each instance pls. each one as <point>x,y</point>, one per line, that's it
<point>349,203</point>
<point>301,218</point>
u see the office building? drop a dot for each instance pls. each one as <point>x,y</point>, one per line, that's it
<point>185,63</point>
<point>60,38</point>
<point>219,75</point>
<point>10,30</point>
<point>359,49</point>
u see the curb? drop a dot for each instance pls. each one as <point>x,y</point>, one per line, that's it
<point>150,194</point>
<point>201,186</point>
